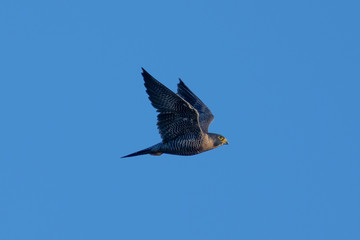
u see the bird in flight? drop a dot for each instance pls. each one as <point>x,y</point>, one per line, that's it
<point>183,121</point>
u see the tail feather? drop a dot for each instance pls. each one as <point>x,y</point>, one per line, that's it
<point>141,152</point>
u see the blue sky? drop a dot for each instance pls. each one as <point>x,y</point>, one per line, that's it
<point>281,77</point>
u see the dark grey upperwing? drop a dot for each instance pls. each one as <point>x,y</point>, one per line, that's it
<point>205,115</point>
<point>176,116</point>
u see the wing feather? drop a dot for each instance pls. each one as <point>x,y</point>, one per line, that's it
<point>205,115</point>
<point>176,116</point>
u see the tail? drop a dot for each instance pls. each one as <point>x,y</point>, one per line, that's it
<point>142,152</point>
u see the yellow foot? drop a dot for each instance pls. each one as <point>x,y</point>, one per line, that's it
<point>156,154</point>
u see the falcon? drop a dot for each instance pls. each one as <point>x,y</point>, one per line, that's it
<point>183,121</point>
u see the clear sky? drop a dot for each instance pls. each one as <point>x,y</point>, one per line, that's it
<point>281,77</point>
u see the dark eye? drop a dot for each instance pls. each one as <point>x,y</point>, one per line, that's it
<point>221,138</point>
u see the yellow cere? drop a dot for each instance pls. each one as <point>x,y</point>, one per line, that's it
<point>222,139</point>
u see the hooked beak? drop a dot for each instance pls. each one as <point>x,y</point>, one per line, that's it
<point>226,142</point>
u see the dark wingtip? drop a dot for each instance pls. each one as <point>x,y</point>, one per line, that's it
<point>181,83</point>
<point>145,73</point>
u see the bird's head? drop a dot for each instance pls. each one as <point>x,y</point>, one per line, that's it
<point>218,139</point>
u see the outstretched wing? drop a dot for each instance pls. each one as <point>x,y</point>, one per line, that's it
<point>205,115</point>
<point>176,116</point>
